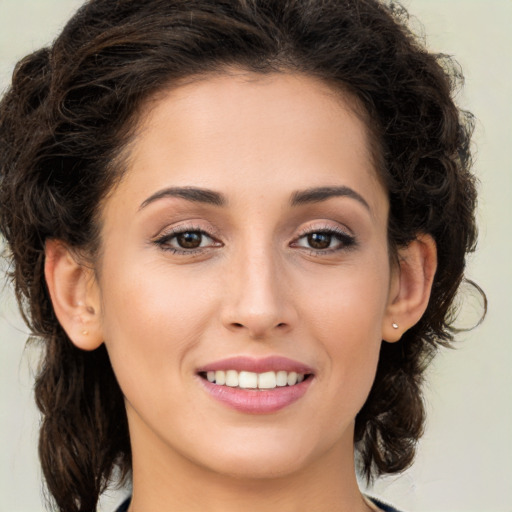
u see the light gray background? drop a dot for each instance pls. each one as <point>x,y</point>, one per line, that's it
<point>464,462</point>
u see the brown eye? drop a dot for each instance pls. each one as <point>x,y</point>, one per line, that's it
<point>189,239</point>
<point>319,240</point>
<point>325,241</point>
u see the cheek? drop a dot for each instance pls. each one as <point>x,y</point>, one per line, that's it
<point>151,320</point>
<point>350,301</point>
<point>345,313</point>
<point>148,297</point>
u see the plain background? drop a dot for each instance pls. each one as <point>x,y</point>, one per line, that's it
<point>464,462</point>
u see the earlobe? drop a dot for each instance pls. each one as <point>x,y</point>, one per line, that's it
<point>411,287</point>
<point>74,294</point>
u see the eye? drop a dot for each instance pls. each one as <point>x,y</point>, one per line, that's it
<point>325,240</point>
<point>319,240</point>
<point>189,240</point>
<point>186,241</point>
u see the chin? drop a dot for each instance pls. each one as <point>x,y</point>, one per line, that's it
<point>271,457</point>
<point>260,468</point>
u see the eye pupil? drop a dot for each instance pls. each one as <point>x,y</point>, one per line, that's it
<point>189,239</point>
<point>319,240</point>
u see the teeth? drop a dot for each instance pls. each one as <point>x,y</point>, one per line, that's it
<point>267,380</point>
<point>251,380</point>
<point>291,379</point>
<point>220,377</point>
<point>281,378</point>
<point>232,378</point>
<point>248,380</point>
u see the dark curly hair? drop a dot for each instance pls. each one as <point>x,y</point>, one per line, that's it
<point>72,108</point>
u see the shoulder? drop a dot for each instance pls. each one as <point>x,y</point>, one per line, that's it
<point>124,506</point>
<point>382,506</point>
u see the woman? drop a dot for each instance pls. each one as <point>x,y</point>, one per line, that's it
<point>238,227</point>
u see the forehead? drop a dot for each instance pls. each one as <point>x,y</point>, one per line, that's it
<point>275,131</point>
<point>252,101</point>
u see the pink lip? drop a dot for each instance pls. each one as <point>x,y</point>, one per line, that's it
<point>252,401</point>
<point>261,365</point>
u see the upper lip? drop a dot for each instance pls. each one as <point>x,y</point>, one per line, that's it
<point>257,365</point>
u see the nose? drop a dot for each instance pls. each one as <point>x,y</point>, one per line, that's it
<point>258,298</point>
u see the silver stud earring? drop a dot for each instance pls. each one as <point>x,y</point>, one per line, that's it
<point>394,325</point>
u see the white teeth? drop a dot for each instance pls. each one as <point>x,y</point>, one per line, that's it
<point>220,377</point>
<point>267,380</point>
<point>232,378</point>
<point>281,378</point>
<point>251,380</point>
<point>248,380</point>
<point>292,378</point>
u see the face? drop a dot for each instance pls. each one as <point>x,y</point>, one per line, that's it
<point>245,276</point>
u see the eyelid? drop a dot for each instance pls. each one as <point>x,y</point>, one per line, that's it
<point>167,234</point>
<point>325,226</point>
<point>346,237</point>
<point>187,225</point>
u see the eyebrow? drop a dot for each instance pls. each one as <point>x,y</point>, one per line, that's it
<point>194,194</point>
<point>319,194</point>
<point>299,198</point>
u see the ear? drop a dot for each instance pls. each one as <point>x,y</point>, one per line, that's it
<point>411,284</point>
<point>75,295</point>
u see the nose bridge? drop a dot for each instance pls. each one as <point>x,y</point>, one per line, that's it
<point>257,299</point>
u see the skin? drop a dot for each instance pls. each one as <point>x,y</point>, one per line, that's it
<point>255,287</point>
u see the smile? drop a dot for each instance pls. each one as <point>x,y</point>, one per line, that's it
<point>256,386</point>
<point>252,380</point>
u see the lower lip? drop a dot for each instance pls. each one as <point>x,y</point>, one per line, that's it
<point>253,401</point>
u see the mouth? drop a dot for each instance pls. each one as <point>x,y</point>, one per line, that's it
<point>255,381</point>
<point>256,386</point>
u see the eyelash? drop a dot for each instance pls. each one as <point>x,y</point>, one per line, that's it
<point>346,241</point>
<point>164,240</point>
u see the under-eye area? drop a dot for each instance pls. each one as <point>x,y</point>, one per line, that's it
<point>253,380</point>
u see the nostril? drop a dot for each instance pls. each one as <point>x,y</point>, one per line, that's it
<point>237,324</point>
